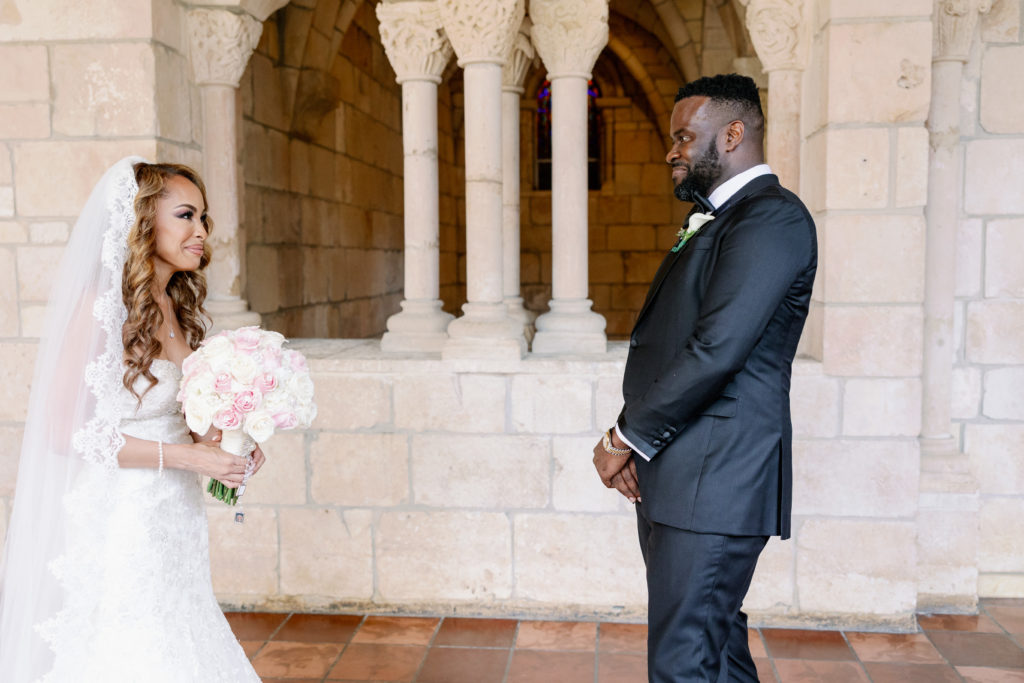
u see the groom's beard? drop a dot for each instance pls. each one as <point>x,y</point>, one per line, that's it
<point>701,176</point>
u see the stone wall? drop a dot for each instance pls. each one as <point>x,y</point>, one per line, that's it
<point>425,487</point>
<point>864,178</point>
<point>989,366</point>
<point>322,158</point>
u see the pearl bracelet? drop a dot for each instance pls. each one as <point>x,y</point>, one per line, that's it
<point>160,453</point>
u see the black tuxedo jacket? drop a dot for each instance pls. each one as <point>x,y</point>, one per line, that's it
<point>706,386</point>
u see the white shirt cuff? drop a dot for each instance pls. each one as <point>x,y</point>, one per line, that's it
<point>636,450</point>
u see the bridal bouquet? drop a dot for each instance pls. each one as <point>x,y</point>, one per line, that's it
<point>246,384</point>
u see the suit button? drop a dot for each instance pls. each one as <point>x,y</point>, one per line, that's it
<point>656,444</point>
<point>633,343</point>
<point>666,434</point>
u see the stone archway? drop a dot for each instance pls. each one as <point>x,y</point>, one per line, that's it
<point>322,166</point>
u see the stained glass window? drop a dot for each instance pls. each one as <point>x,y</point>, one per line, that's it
<point>542,167</point>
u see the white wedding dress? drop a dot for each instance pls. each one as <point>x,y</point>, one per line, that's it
<point>138,601</point>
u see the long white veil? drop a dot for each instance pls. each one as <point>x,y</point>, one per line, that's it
<point>72,422</point>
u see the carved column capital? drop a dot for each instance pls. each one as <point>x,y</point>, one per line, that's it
<point>569,34</point>
<point>220,44</point>
<point>261,9</point>
<point>777,31</point>
<point>414,40</point>
<point>482,30</point>
<point>955,21</point>
<point>519,59</point>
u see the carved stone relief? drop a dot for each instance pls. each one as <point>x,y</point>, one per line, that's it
<point>520,58</point>
<point>569,34</point>
<point>220,45</point>
<point>482,30</point>
<point>414,39</point>
<point>776,29</point>
<point>955,21</point>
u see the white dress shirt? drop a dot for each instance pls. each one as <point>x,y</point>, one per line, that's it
<point>720,196</point>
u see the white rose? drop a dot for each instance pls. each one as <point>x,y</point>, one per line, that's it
<point>277,401</point>
<point>309,415</point>
<point>301,387</point>
<point>271,338</point>
<point>200,406</point>
<point>259,425</point>
<point>198,419</point>
<point>244,369</point>
<point>217,346</point>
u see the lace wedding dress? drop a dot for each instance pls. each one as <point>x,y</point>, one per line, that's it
<point>138,604</point>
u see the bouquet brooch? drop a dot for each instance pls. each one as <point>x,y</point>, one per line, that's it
<point>244,383</point>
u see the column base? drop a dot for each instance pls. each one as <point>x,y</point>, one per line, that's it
<point>570,327</point>
<point>485,332</point>
<point>420,326</point>
<point>942,455</point>
<point>517,311</point>
<point>947,529</point>
<point>230,314</point>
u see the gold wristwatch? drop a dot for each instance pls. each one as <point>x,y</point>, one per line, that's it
<point>606,444</point>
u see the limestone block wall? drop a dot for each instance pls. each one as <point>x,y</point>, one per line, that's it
<point>864,178</point>
<point>429,488</point>
<point>989,370</point>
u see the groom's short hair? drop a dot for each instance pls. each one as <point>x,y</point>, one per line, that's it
<point>730,93</point>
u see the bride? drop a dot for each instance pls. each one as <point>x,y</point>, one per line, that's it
<point>106,571</point>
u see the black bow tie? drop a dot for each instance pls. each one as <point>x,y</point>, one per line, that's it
<point>702,202</point>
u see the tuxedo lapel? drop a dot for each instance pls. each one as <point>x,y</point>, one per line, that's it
<point>755,185</point>
<point>663,270</point>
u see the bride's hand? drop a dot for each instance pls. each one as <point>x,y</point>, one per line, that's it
<point>258,459</point>
<point>209,460</point>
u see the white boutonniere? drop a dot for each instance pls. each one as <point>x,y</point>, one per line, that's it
<point>692,227</point>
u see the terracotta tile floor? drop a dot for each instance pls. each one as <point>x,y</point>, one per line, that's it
<point>307,648</point>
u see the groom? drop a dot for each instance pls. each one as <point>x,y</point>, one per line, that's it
<point>703,442</point>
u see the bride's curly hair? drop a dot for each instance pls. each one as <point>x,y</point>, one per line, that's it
<point>187,290</point>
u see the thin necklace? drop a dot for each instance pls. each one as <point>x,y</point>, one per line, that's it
<point>170,330</point>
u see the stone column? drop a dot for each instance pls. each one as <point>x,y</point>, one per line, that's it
<point>954,24</point>
<point>776,29</point>
<point>516,67</point>
<point>418,50</point>
<point>569,36</point>
<point>482,32</point>
<point>220,44</point>
<point>947,517</point>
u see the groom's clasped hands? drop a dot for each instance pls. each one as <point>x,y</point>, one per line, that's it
<point>614,463</point>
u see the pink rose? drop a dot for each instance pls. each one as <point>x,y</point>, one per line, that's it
<point>285,420</point>
<point>247,339</point>
<point>222,384</point>
<point>297,361</point>
<point>266,382</point>
<point>228,418</point>
<point>246,401</point>
<point>272,358</point>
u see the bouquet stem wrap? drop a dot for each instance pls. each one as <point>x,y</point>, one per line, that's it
<point>235,442</point>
